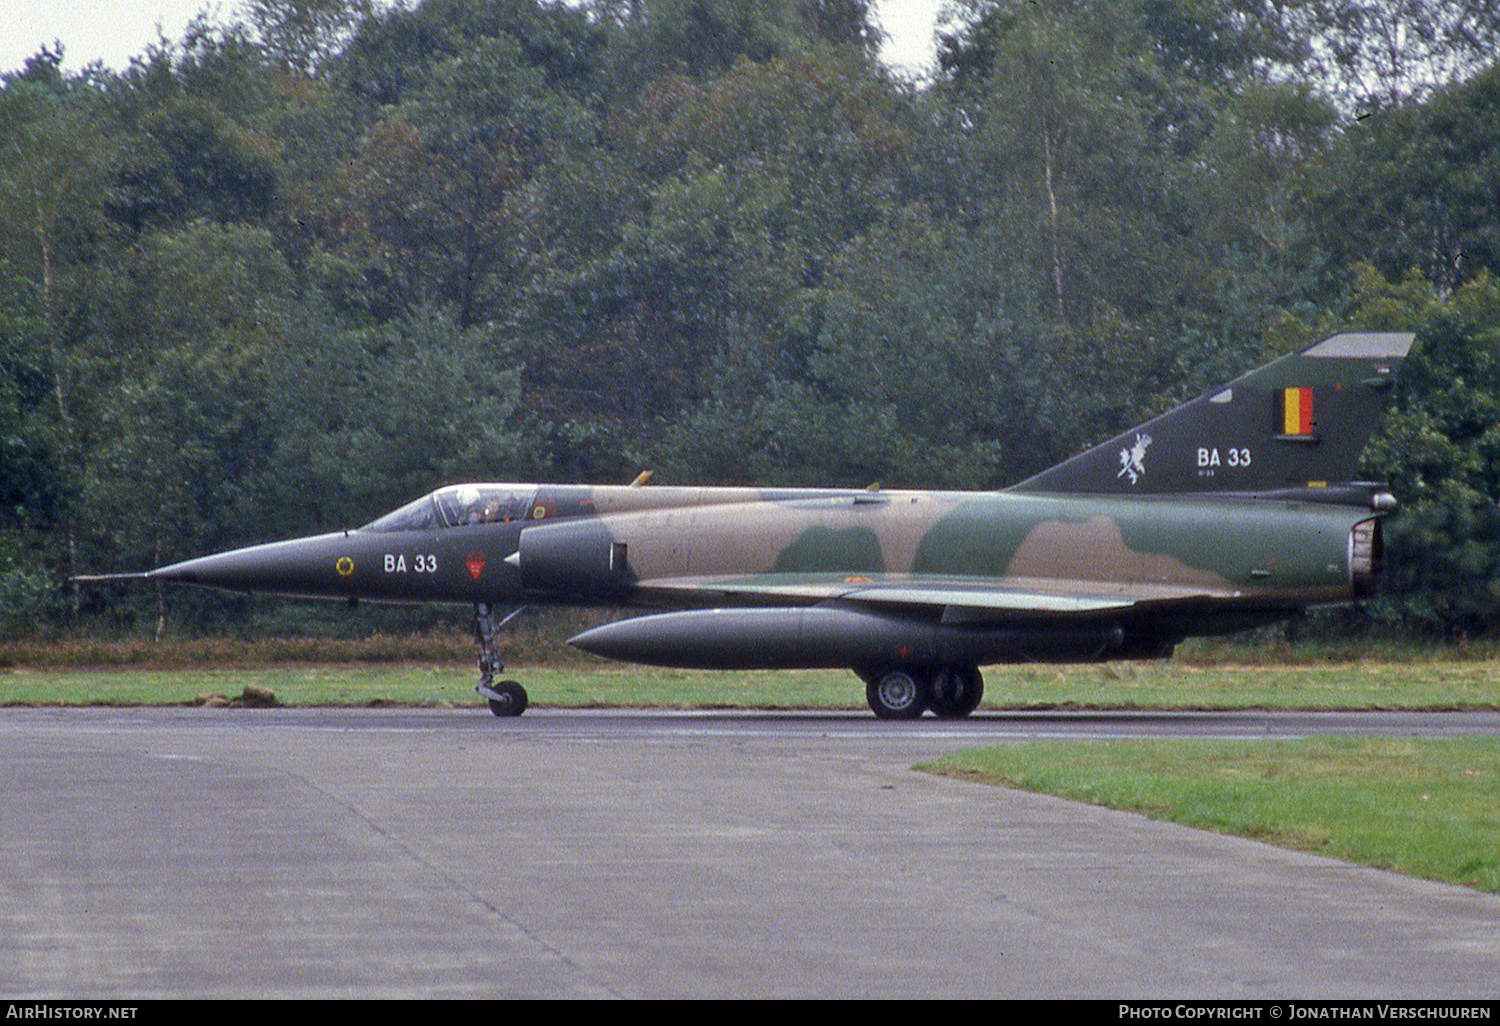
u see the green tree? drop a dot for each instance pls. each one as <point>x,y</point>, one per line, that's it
<point>57,151</point>
<point>55,154</point>
<point>387,413</point>
<point>904,382</point>
<point>1418,187</point>
<point>33,494</point>
<point>302,35</point>
<point>1084,129</point>
<point>1260,264</point>
<point>197,139</point>
<point>723,208</point>
<point>1440,449</point>
<point>395,52</point>
<point>190,162</point>
<point>1376,54</point>
<point>433,203</point>
<point>702,39</point>
<point>191,338</point>
<point>1130,172</point>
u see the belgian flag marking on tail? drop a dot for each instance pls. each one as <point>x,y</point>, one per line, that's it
<point>1297,413</point>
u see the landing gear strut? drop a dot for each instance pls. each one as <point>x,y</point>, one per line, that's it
<point>506,698</point>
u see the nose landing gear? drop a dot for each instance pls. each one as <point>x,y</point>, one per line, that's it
<point>506,698</point>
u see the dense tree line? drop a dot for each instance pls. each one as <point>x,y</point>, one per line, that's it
<point>285,274</point>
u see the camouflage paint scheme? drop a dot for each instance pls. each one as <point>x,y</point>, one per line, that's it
<point>1233,510</point>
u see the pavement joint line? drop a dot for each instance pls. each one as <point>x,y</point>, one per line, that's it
<point>448,881</point>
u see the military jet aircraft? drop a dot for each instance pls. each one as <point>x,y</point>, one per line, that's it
<point>1231,511</point>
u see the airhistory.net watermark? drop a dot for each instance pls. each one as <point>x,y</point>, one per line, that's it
<point>51,1010</point>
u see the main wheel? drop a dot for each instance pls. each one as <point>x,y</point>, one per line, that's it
<point>956,691</point>
<point>897,695</point>
<point>512,700</point>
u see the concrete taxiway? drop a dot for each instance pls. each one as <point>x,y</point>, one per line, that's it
<point>375,853</point>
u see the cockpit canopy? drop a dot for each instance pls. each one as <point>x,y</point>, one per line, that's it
<point>459,505</point>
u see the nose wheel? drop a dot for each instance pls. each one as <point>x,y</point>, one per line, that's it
<point>506,698</point>
<point>510,698</point>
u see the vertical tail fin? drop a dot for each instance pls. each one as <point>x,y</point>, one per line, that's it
<point>1299,422</point>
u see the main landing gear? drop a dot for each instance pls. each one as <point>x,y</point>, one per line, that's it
<point>506,698</point>
<point>904,693</point>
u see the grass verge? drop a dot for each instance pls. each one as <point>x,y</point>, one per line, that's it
<point>1424,808</point>
<point>435,685</point>
<point>1429,685</point>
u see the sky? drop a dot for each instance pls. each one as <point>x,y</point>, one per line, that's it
<point>116,30</point>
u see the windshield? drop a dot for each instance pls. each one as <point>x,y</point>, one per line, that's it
<point>457,505</point>
<point>420,515</point>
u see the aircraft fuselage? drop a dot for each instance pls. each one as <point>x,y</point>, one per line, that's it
<point>686,547</point>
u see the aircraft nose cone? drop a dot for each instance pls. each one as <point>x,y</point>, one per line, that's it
<point>302,566</point>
